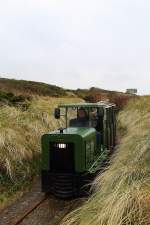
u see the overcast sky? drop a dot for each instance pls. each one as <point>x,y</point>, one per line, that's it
<point>77,43</point>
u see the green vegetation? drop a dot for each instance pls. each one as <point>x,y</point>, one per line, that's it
<point>20,137</point>
<point>96,94</point>
<point>122,192</point>
<point>30,87</point>
<point>8,98</point>
<point>26,112</point>
<point>93,94</point>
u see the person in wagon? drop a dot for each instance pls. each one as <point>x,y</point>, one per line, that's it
<point>82,119</point>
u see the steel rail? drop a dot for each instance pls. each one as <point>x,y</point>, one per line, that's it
<point>30,211</point>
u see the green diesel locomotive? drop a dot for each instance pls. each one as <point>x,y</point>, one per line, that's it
<point>71,156</point>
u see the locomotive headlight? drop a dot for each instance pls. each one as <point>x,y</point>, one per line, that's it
<point>62,146</point>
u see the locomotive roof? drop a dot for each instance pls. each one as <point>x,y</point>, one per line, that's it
<point>87,105</point>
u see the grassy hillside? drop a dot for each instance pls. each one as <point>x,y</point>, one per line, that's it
<point>122,192</point>
<point>30,87</point>
<point>93,94</point>
<point>20,135</point>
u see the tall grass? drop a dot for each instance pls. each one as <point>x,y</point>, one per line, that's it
<point>20,140</point>
<point>122,192</point>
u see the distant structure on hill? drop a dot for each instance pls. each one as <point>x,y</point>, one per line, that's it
<point>131,91</point>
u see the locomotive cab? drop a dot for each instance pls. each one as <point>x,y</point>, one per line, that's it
<point>71,156</point>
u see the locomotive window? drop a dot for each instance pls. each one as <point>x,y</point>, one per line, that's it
<point>72,113</point>
<point>78,117</point>
<point>93,117</point>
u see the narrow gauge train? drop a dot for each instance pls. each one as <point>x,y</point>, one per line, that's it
<point>71,156</point>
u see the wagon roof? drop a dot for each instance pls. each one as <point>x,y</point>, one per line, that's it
<point>87,105</point>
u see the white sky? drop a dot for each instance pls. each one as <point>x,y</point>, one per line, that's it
<point>81,43</point>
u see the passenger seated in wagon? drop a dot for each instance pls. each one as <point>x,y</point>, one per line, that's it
<point>82,119</point>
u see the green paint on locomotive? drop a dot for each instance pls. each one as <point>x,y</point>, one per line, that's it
<point>81,137</point>
<point>90,147</point>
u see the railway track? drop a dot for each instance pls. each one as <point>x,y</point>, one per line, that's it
<point>46,210</point>
<point>19,221</point>
<point>56,215</point>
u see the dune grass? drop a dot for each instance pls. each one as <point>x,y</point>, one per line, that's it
<point>122,192</point>
<point>25,87</point>
<point>20,137</point>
